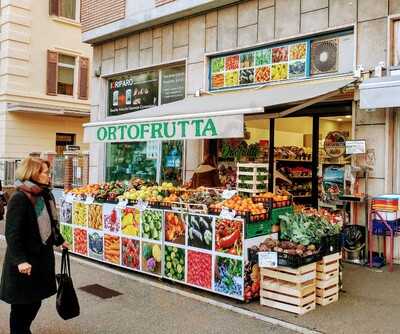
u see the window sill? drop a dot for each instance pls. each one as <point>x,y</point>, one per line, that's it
<point>66,21</point>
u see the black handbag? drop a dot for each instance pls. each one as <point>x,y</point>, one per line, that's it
<point>67,303</point>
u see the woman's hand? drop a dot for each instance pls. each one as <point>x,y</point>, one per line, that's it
<point>25,268</point>
<point>65,245</point>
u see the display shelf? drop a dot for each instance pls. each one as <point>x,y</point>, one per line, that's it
<point>294,160</point>
<point>301,177</point>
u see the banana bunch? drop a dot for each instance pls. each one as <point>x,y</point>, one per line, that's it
<point>80,214</point>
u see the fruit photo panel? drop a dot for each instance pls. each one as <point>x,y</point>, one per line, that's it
<point>80,241</point>
<point>228,276</point>
<point>200,231</point>
<point>229,236</point>
<point>66,212</point>
<point>175,227</point>
<point>96,250</point>
<point>151,257</point>
<point>111,218</point>
<point>79,214</point>
<point>199,270</point>
<point>174,264</point>
<point>66,232</point>
<point>152,224</point>
<point>130,253</point>
<point>112,249</point>
<point>95,220</point>
<point>130,222</point>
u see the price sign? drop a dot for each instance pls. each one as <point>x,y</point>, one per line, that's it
<point>122,204</point>
<point>227,214</point>
<point>89,200</point>
<point>141,205</point>
<point>267,259</point>
<point>69,198</point>
<point>228,194</point>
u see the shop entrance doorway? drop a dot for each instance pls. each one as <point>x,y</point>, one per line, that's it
<point>308,158</point>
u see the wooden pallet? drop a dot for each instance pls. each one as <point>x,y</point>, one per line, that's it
<point>291,290</point>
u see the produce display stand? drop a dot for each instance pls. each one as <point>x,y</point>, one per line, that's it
<point>291,290</point>
<point>172,243</point>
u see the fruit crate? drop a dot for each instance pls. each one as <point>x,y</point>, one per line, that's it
<point>328,279</point>
<point>291,290</point>
<point>260,228</point>
<point>276,212</point>
<point>252,178</point>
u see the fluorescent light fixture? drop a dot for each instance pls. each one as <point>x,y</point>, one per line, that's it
<point>348,116</point>
<point>340,119</point>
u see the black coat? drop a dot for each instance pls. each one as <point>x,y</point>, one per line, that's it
<point>24,244</point>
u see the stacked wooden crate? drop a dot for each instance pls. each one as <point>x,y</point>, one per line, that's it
<point>328,279</point>
<point>252,178</point>
<point>292,290</point>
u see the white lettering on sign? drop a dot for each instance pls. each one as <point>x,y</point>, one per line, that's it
<point>141,205</point>
<point>122,204</point>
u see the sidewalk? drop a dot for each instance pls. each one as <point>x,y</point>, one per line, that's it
<point>140,309</point>
<point>370,304</point>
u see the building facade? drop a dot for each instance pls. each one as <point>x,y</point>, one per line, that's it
<point>44,77</point>
<point>142,36</point>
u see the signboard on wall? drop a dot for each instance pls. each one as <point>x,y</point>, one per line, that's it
<point>335,144</point>
<point>191,128</point>
<point>130,93</point>
<point>173,84</point>
<point>260,66</point>
<point>355,147</point>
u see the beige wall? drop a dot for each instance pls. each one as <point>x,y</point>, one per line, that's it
<point>27,133</point>
<point>27,33</point>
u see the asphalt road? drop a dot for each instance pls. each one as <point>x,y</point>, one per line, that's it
<point>140,309</point>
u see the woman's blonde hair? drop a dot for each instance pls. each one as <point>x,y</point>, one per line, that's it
<point>30,168</point>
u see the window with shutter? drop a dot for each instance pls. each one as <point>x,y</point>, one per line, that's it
<point>83,78</point>
<point>54,6</point>
<point>52,64</point>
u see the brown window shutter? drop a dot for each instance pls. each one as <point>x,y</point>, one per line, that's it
<point>54,7</point>
<point>83,78</point>
<point>52,64</point>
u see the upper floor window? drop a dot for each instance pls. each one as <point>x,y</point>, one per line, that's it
<point>396,43</point>
<point>67,75</point>
<point>64,8</point>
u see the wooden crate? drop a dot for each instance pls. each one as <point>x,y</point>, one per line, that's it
<point>291,290</point>
<point>254,182</point>
<point>328,279</point>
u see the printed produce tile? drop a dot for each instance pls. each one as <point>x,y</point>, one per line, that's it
<point>130,253</point>
<point>112,249</point>
<point>228,276</point>
<point>80,241</point>
<point>174,263</point>
<point>66,232</point>
<point>79,214</point>
<point>130,222</point>
<point>96,244</point>
<point>151,258</point>
<point>152,224</point>
<point>112,218</point>
<point>200,231</point>
<point>199,270</point>
<point>95,216</point>
<point>175,227</point>
<point>229,236</point>
<point>66,212</point>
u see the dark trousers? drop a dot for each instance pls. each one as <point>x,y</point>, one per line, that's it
<point>21,317</point>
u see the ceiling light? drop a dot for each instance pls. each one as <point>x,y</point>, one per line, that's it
<point>340,119</point>
<point>348,116</point>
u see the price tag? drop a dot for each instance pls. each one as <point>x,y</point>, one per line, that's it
<point>227,214</point>
<point>267,259</point>
<point>141,205</point>
<point>69,198</point>
<point>122,204</point>
<point>89,200</point>
<point>228,194</point>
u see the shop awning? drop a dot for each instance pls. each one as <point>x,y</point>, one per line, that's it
<point>213,116</point>
<point>380,93</point>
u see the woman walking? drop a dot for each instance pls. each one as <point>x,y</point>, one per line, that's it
<point>28,274</point>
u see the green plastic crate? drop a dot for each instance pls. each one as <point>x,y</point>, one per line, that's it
<point>258,229</point>
<point>275,213</point>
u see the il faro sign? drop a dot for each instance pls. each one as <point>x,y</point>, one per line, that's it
<point>193,128</point>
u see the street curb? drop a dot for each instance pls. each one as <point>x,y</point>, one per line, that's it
<point>239,310</point>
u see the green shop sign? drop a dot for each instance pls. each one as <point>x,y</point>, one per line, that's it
<point>191,128</point>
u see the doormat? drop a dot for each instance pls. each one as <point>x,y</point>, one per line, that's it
<point>100,291</point>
